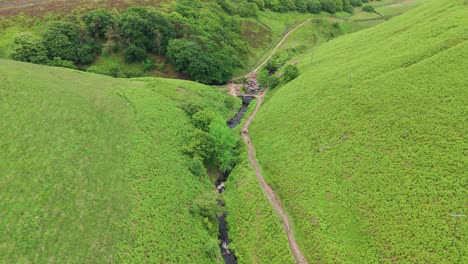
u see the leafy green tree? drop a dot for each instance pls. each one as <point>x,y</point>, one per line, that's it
<point>356,2</point>
<point>290,72</point>
<point>259,3</point>
<point>224,142</point>
<point>197,167</point>
<point>200,144</point>
<point>202,119</point>
<point>301,6</point>
<point>28,48</point>
<point>69,42</point>
<point>146,29</point>
<point>347,6</point>
<point>314,6</point>
<point>181,52</point>
<point>329,6</point>
<point>98,21</point>
<point>211,68</point>
<point>368,8</point>
<point>134,53</point>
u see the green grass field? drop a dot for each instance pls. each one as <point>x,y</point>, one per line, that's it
<point>92,169</point>
<point>367,147</point>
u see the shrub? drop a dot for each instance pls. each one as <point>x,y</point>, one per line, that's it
<point>149,65</point>
<point>314,6</point>
<point>368,8</point>
<point>98,70</point>
<point>59,62</point>
<point>98,21</point>
<point>197,167</point>
<point>114,70</point>
<point>28,48</point>
<point>68,42</point>
<point>290,73</point>
<point>135,54</point>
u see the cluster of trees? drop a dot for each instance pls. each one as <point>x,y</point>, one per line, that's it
<point>198,37</point>
<point>250,8</point>
<point>212,143</point>
<point>63,44</point>
<point>313,6</point>
<point>268,75</point>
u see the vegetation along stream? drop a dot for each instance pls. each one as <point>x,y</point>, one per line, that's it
<point>228,256</point>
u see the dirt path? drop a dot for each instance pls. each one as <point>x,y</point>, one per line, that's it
<point>234,88</point>
<point>279,45</point>
<point>269,192</point>
<point>271,195</point>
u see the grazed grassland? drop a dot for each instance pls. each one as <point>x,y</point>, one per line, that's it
<point>367,146</point>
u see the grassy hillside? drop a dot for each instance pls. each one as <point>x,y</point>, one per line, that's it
<point>92,169</point>
<point>254,230</point>
<point>367,147</point>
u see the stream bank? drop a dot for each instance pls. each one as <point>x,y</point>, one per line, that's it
<point>228,256</point>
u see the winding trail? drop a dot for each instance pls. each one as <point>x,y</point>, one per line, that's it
<point>232,86</point>
<point>271,195</point>
<point>269,192</point>
<point>279,45</point>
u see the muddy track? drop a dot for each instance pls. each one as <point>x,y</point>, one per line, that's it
<point>269,192</point>
<point>271,195</point>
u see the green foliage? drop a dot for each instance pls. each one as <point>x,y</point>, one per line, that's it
<point>66,41</point>
<point>149,65</point>
<point>107,180</point>
<point>356,2</point>
<point>207,205</point>
<point>225,141</point>
<point>134,53</point>
<point>242,8</point>
<point>59,62</point>
<point>98,21</point>
<point>197,167</point>
<point>368,8</point>
<point>200,144</point>
<point>314,6</point>
<point>203,118</point>
<point>146,29</point>
<point>266,80</point>
<point>209,66</point>
<point>366,150</point>
<point>290,72</point>
<point>28,48</point>
<point>212,248</point>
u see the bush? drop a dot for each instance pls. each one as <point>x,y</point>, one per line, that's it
<point>98,21</point>
<point>290,73</point>
<point>135,54</point>
<point>314,6</point>
<point>59,62</point>
<point>28,48</point>
<point>202,119</point>
<point>368,8</point>
<point>68,42</point>
<point>149,65</point>
<point>98,70</point>
<point>114,70</point>
<point>197,167</point>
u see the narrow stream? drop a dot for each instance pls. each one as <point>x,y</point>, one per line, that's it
<point>228,256</point>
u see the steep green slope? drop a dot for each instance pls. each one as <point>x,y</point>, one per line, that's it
<point>91,168</point>
<point>367,147</point>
